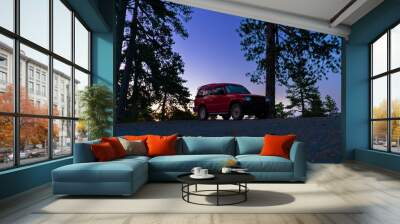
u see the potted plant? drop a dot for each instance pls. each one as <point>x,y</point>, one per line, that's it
<point>96,103</point>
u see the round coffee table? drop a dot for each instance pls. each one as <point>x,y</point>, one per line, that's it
<point>238,179</point>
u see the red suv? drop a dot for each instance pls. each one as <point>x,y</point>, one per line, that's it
<point>228,100</point>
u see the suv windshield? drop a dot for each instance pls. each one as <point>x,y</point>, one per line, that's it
<point>202,92</point>
<point>236,89</point>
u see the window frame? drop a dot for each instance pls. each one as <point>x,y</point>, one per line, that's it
<point>16,114</point>
<point>388,74</point>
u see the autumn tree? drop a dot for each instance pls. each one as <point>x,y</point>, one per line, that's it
<point>379,128</point>
<point>272,47</point>
<point>6,122</point>
<point>146,56</point>
<point>33,131</point>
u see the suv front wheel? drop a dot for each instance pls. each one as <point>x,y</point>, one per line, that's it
<point>236,111</point>
<point>203,115</point>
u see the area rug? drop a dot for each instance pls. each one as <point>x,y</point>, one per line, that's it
<point>166,198</point>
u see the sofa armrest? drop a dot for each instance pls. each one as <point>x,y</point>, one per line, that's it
<point>83,152</point>
<point>299,159</point>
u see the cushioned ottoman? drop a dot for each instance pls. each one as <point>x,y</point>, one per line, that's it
<point>119,177</point>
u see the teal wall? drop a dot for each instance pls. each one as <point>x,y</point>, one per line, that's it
<point>24,178</point>
<point>356,82</point>
<point>98,15</point>
<point>103,60</point>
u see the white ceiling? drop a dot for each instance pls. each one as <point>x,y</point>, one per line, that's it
<point>327,16</point>
<point>321,9</point>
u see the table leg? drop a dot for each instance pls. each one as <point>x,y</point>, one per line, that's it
<point>182,190</point>
<point>195,188</point>
<point>245,193</point>
<point>188,189</point>
<point>217,194</point>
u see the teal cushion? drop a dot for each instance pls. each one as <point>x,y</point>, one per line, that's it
<point>208,145</point>
<point>185,163</point>
<point>83,152</point>
<point>249,145</point>
<point>133,158</point>
<point>257,163</point>
<point>111,171</point>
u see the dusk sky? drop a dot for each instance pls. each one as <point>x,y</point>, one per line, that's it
<point>212,54</point>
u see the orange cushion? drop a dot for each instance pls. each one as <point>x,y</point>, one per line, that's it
<point>277,145</point>
<point>136,137</point>
<point>116,145</point>
<point>161,145</point>
<point>103,152</point>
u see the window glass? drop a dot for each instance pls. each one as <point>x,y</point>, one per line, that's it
<point>34,81</point>
<point>62,138</point>
<point>203,92</point>
<point>236,89</point>
<point>81,45</point>
<point>62,89</point>
<point>395,136</point>
<point>379,56</point>
<point>395,47</point>
<point>62,29</point>
<point>34,21</point>
<point>6,74</point>
<point>379,98</point>
<point>379,135</point>
<point>395,95</point>
<point>218,91</point>
<point>6,142</point>
<point>81,82</point>
<point>7,14</point>
<point>81,131</point>
<point>30,58</point>
<point>33,140</point>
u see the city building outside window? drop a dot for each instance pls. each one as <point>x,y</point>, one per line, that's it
<point>57,128</point>
<point>30,72</point>
<point>3,72</point>
<point>3,78</point>
<point>38,89</point>
<point>30,87</point>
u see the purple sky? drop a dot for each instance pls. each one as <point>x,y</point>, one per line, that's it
<point>212,54</point>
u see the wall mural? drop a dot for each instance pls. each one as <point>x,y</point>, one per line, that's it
<point>194,66</point>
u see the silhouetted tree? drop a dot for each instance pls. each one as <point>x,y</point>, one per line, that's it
<point>146,49</point>
<point>173,94</point>
<point>301,89</point>
<point>274,46</point>
<point>258,41</point>
<point>280,111</point>
<point>178,114</point>
<point>316,106</point>
<point>121,7</point>
<point>330,106</point>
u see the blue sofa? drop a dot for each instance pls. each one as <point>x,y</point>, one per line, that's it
<point>125,176</point>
